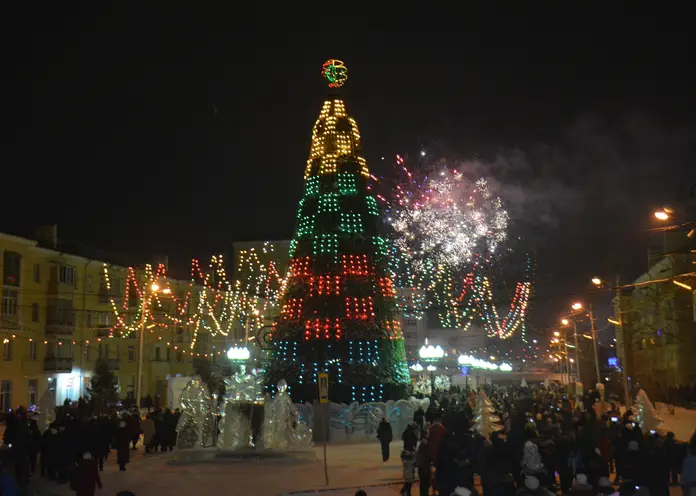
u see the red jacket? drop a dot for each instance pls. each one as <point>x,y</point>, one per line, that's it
<point>87,478</point>
<point>436,435</point>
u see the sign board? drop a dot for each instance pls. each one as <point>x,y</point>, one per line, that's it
<point>264,338</point>
<point>323,387</point>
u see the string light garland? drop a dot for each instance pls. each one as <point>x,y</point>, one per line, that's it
<point>209,302</point>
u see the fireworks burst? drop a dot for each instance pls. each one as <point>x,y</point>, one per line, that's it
<point>446,218</point>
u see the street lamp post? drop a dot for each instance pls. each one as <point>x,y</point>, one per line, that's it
<point>246,326</point>
<point>565,322</point>
<point>431,354</point>
<point>593,328</point>
<point>154,288</point>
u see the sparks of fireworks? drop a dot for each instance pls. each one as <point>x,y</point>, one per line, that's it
<point>446,218</point>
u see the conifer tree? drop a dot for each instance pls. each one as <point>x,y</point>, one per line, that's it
<point>485,419</point>
<point>103,388</point>
<point>338,310</point>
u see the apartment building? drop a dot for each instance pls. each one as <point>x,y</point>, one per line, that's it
<point>58,312</point>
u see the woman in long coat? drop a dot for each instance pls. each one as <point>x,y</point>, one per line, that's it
<point>123,439</point>
<point>149,430</point>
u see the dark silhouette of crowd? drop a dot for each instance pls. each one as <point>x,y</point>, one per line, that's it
<point>546,444</point>
<point>75,447</point>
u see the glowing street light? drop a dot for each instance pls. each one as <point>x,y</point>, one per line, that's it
<point>661,214</point>
<point>431,352</point>
<point>596,281</point>
<point>565,322</point>
<point>556,333</point>
<point>238,353</point>
<point>577,305</point>
<point>154,288</point>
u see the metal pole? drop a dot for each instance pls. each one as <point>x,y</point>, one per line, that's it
<point>141,343</point>
<point>567,357</point>
<point>594,345</point>
<point>577,351</point>
<point>624,346</point>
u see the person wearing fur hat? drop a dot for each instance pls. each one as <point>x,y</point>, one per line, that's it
<point>87,476</point>
<point>532,487</point>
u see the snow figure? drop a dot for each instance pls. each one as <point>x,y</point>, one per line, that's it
<point>523,383</point>
<point>646,416</point>
<point>281,428</point>
<point>423,386</point>
<point>485,420</point>
<point>195,427</point>
<point>47,409</point>
<point>442,383</point>
<point>531,460</point>
<point>241,391</point>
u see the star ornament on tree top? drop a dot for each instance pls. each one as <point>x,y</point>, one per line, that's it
<point>335,72</point>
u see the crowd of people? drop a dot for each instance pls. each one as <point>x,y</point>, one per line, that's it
<point>75,446</point>
<point>545,443</point>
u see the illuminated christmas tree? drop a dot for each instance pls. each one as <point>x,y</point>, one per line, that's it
<point>338,309</point>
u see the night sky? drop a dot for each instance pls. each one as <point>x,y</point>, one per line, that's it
<point>150,133</point>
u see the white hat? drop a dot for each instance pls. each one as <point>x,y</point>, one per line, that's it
<point>531,482</point>
<point>581,479</point>
<point>121,424</point>
<point>633,446</point>
<point>86,456</point>
<point>461,491</point>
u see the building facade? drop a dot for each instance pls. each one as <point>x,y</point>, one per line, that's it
<point>56,321</point>
<point>658,334</point>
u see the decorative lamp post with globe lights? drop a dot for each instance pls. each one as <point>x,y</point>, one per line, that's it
<point>431,354</point>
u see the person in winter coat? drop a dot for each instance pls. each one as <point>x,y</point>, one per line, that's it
<point>532,487</point>
<point>436,436</point>
<point>385,436</point>
<point>423,462</point>
<point>35,444</point>
<point>631,462</point>
<point>688,471</point>
<point>408,461</point>
<point>87,476</point>
<point>49,453</point>
<point>135,427</point>
<point>148,433</point>
<point>531,461</point>
<point>581,487</point>
<point>410,438</point>
<point>675,454</point>
<point>8,483</point>
<point>123,440</point>
<point>419,418</point>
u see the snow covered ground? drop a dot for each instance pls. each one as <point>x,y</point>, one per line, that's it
<point>350,466</point>
<point>682,423</point>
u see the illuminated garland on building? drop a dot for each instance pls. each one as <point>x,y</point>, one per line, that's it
<point>208,301</point>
